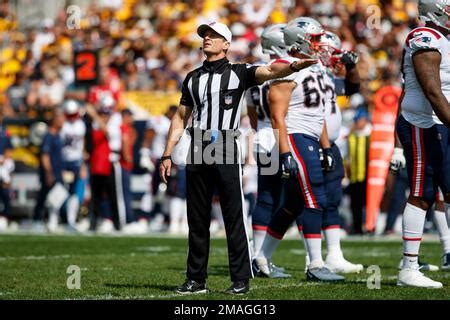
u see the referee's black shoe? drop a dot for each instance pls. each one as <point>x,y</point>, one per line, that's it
<point>239,287</point>
<point>192,287</point>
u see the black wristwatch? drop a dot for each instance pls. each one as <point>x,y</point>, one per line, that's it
<point>166,158</point>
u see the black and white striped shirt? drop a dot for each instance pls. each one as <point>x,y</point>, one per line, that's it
<point>215,91</point>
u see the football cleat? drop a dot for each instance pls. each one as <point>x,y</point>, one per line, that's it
<point>3,223</point>
<point>266,269</point>
<point>277,268</point>
<point>106,227</point>
<point>192,287</point>
<point>322,274</point>
<point>338,264</point>
<point>412,277</point>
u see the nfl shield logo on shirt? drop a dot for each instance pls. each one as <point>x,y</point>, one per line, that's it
<point>228,99</point>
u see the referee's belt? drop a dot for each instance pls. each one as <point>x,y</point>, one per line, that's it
<point>213,135</point>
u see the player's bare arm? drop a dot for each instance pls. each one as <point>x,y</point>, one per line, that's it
<point>281,70</point>
<point>45,158</point>
<point>177,125</point>
<point>279,97</point>
<point>253,116</point>
<point>398,144</point>
<point>90,110</point>
<point>427,69</point>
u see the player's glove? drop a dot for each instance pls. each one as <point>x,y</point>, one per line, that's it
<point>349,59</point>
<point>145,160</point>
<point>289,167</point>
<point>398,160</point>
<point>327,159</point>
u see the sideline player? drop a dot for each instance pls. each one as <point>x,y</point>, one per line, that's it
<point>72,136</point>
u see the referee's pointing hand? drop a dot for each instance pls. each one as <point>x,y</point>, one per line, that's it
<point>303,63</point>
<point>164,169</point>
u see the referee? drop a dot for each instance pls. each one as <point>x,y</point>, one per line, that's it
<point>212,95</point>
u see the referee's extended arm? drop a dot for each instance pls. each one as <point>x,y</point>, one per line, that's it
<point>281,70</point>
<point>177,125</point>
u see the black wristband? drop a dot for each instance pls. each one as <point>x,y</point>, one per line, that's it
<point>293,69</point>
<point>166,158</point>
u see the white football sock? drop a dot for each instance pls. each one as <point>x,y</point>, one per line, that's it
<point>314,247</point>
<point>258,240</point>
<point>440,220</point>
<point>268,247</point>
<point>333,239</point>
<point>307,260</point>
<point>412,229</point>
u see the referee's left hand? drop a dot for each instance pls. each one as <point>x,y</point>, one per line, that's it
<point>164,169</point>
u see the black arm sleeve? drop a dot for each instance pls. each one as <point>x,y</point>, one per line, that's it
<point>186,98</point>
<point>250,76</point>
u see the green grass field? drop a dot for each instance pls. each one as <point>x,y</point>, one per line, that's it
<point>35,267</point>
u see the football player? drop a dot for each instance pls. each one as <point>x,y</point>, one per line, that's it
<point>330,51</point>
<point>269,185</point>
<point>72,136</point>
<point>422,129</point>
<point>298,113</point>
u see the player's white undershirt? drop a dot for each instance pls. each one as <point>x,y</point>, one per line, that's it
<point>416,108</point>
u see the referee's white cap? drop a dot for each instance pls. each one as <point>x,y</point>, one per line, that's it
<point>218,27</point>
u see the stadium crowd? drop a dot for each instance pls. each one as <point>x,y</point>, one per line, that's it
<point>151,45</point>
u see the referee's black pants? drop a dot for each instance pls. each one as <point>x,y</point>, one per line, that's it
<point>202,180</point>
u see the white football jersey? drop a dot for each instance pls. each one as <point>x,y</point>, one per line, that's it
<point>161,125</point>
<point>306,112</point>
<point>72,137</point>
<point>257,97</point>
<point>415,107</point>
<point>335,87</point>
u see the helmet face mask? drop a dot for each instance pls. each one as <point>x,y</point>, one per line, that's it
<point>329,50</point>
<point>436,11</point>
